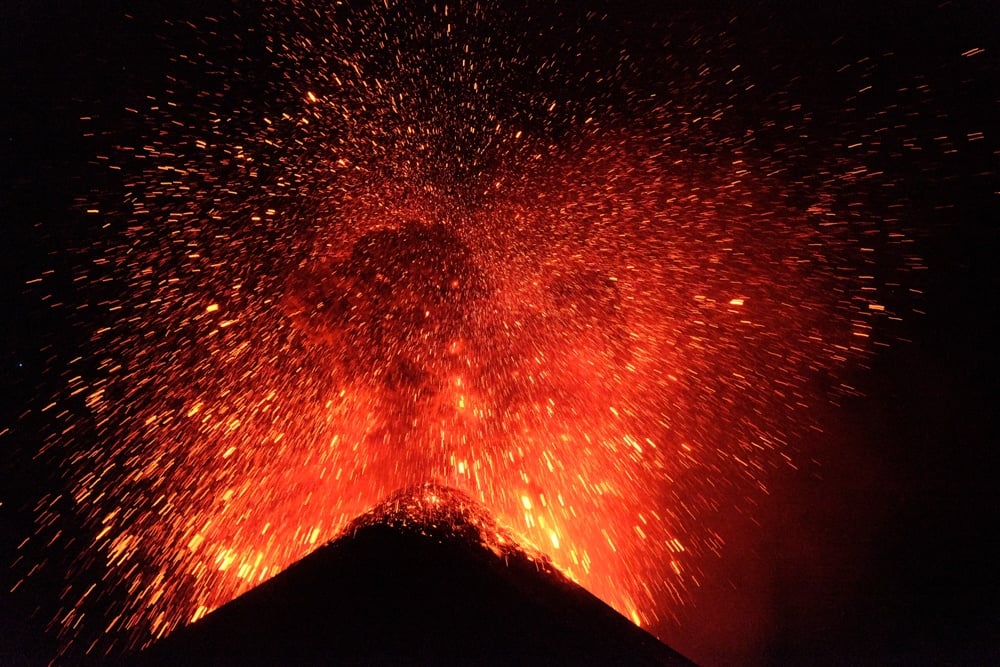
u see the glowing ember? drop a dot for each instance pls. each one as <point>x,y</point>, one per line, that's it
<point>442,513</point>
<point>603,315</point>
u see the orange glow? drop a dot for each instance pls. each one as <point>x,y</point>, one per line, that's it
<point>563,388</point>
<point>606,330</point>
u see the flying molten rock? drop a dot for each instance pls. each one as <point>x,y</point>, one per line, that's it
<point>423,251</point>
<point>395,309</point>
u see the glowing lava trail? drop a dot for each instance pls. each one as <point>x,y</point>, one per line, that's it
<point>419,243</point>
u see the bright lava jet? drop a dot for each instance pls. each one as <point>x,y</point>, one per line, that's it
<point>357,250</point>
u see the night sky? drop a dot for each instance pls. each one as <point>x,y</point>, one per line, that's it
<point>851,520</point>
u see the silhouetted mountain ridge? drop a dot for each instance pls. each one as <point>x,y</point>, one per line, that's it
<point>426,578</point>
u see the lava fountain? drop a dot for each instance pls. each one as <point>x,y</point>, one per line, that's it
<point>428,249</point>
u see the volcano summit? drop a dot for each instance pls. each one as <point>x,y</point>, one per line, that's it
<point>426,578</point>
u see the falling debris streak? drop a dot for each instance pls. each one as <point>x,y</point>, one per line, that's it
<point>419,251</point>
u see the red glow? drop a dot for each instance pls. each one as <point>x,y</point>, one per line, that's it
<point>600,334</point>
<point>582,386</point>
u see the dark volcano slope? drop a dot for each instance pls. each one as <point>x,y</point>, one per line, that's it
<point>399,590</point>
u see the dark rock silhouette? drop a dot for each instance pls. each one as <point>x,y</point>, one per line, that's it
<point>425,579</point>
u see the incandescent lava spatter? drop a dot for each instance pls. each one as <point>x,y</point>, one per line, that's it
<point>594,294</point>
<point>396,313</point>
<point>399,303</point>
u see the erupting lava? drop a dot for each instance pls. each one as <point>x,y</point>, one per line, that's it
<point>604,316</point>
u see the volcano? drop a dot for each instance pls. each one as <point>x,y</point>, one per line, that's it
<point>426,578</point>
